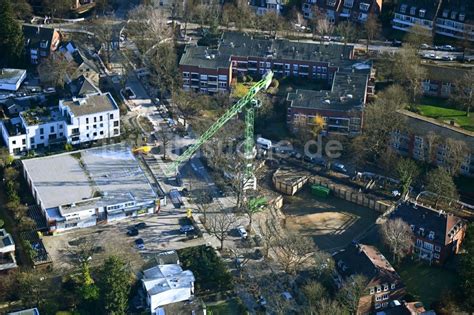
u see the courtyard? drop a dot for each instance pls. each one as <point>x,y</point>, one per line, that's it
<point>332,223</point>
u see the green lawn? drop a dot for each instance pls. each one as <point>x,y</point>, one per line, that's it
<point>427,283</point>
<point>229,307</point>
<point>440,110</point>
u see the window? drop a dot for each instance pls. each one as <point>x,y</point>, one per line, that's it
<point>87,120</point>
<point>32,140</point>
<point>269,65</point>
<point>14,142</point>
<point>428,246</point>
<point>101,133</point>
<point>364,6</point>
<point>94,126</point>
<point>385,287</point>
<point>262,64</point>
<point>41,137</point>
<point>95,134</point>
<point>372,291</point>
<point>116,123</point>
<point>23,141</point>
<point>385,296</point>
<point>61,134</point>
<point>393,286</point>
<point>437,248</point>
<point>377,305</point>
<point>101,118</point>
<point>295,67</point>
<point>87,127</point>
<point>51,129</point>
<point>422,13</point>
<point>379,289</point>
<point>111,116</point>
<point>403,8</point>
<point>95,119</point>
<point>378,298</point>
<point>101,125</point>
<point>60,126</point>
<point>287,66</point>
<point>41,131</point>
<point>116,131</point>
<point>412,10</point>
<point>436,256</point>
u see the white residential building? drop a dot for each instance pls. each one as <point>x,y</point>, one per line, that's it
<point>93,117</point>
<point>167,284</point>
<point>7,251</point>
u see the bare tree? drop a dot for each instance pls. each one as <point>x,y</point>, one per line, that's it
<point>409,71</point>
<point>242,256</point>
<point>381,119</point>
<point>219,225</point>
<point>254,206</point>
<point>440,182</point>
<point>463,93</point>
<point>165,139</point>
<point>269,230</point>
<point>419,35</point>
<point>293,251</point>
<point>372,28</point>
<point>455,154</point>
<point>55,70</point>
<point>407,171</point>
<point>328,306</point>
<point>104,31</point>
<point>351,291</point>
<point>314,292</point>
<point>398,235</point>
<point>348,32</point>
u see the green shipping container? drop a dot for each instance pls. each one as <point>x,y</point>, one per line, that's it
<point>320,191</point>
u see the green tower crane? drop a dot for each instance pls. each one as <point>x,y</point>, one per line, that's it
<point>248,103</point>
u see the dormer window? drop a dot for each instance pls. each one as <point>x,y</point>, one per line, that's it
<point>421,231</point>
<point>453,15</point>
<point>431,236</point>
<point>422,13</point>
<point>413,10</point>
<point>393,286</point>
<point>445,13</point>
<point>364,6</point>
<point>412,227</point>
<point>385,287</point>
<point>462,16</point>
<point>403,8</point>
<point>331,2</point>
<point>348,3</point>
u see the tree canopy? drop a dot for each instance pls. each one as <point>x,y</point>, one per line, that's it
<point>11,37</point>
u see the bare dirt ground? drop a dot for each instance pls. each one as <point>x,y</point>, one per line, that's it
<point>332,222</point>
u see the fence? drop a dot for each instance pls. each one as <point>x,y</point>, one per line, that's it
<point>353,196</point>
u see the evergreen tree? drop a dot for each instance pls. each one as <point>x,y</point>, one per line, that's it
<point>11,37</point>
<point>114,286</point>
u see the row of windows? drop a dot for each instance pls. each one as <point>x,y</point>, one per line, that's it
<point>101,118</point>
<point>379,288</point>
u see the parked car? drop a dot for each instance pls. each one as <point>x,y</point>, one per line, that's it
<point>448,58</point>
<point>186,228</point>
<point>132,231</point>
<point>139,243</point>
<point>425,46</point>
<point>242,232</point>
<point>338,167</point>
<point>140,225</point>
<point>397,43</point>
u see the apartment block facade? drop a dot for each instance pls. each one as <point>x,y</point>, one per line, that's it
<point>339,10</point>
<point>452,18</point>
<point>213,70</point>
<point>426,141</point>
<point>93,117</point>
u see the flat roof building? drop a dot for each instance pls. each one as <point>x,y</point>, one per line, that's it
<point>82,188</point>
<point>11,79</point>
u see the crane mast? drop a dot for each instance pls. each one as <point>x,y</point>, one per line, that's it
<point>248,103</point>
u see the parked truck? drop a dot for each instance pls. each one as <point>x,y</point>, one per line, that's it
<point>176,199</point>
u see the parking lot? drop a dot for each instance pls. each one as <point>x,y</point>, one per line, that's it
<point>332,222</point>
<point>161,233</point>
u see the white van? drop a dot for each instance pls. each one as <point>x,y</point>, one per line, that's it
<point>264,143</point>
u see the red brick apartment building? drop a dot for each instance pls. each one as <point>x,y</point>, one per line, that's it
<point>383,282</point>
<point>438,235</point>
<point>339,10</point>
<point>212,70</point>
